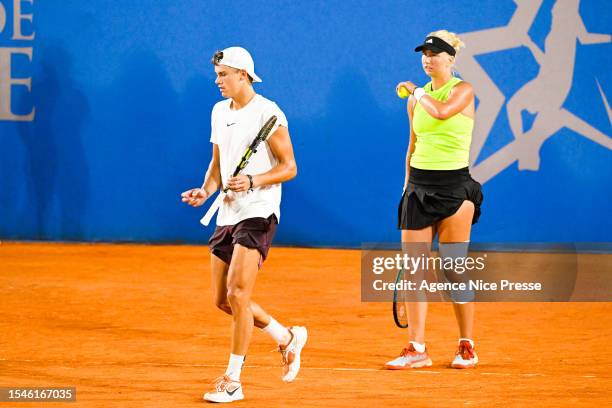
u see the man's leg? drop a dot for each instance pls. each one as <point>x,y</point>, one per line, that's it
<point>232,286</point>
<point>219,286</point>
<point>241,277</point>
<point>242,274</point>
<point>289,345</point>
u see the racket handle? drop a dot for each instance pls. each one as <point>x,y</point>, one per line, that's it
<point>212,210</point>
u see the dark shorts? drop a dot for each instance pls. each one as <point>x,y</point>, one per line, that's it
<point>256,233</point>
<point>433,195</point>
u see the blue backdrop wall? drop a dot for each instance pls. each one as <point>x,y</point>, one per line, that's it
<point>116,124</point>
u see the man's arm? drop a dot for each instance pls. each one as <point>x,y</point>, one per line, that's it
<point>195,197</point>
<point>212,179</point>
<point>285,169</point>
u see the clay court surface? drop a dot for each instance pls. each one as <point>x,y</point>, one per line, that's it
<point>134,326</point>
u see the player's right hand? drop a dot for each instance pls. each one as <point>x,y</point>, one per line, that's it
<point>410,87</point>
<point>194,197</point>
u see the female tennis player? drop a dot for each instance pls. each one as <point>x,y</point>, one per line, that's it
<point>440,197</point>
<point>248,215</point>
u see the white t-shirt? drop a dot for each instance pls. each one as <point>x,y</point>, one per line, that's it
<point>233,131</point>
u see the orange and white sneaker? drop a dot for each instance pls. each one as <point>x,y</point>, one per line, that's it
<point>409,358</point>
<point>226,390</point>
<point>291,353</point>
<point>466,356</point>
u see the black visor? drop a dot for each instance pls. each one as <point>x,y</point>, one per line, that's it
<point>436,44</point>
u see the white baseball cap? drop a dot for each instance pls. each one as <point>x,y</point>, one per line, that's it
<point>238,57</point>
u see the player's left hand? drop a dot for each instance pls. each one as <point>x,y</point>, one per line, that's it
<point>239,183</point>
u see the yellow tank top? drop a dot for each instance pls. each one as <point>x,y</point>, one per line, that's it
<point>441,144</point>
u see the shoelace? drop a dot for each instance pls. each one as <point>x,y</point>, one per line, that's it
<point>283,355</point>
<point>465,351</point>
<point>285,351</point>
<point>408,352</point>
<point>222,383</point>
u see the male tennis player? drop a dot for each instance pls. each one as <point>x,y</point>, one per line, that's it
<point>249,214</point>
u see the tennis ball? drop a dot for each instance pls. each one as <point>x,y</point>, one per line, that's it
<point>402,92</point>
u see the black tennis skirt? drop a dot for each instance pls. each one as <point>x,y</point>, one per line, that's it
<point>433,195</point>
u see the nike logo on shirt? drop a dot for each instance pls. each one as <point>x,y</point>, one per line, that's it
<point>230,124</point>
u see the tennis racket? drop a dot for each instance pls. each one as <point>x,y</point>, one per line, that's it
<point>263,134</point>
<point>400,311</point>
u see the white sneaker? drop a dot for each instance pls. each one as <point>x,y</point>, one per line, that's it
<point>409,358</point>
<point>226,390</point>
<point>291,352</point>
<point>465,357</point>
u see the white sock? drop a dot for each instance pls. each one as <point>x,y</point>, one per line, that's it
<point>470,340</point>
<point>278,332</point>
<point>234,367</point>
<point>419,347</point>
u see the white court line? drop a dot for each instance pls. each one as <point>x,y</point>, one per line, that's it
<point>275,367</point>
<point>264,367</point>
<point>338,369</point>
<point>417,371</point>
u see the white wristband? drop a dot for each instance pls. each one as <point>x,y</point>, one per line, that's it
<point>418,93</point>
